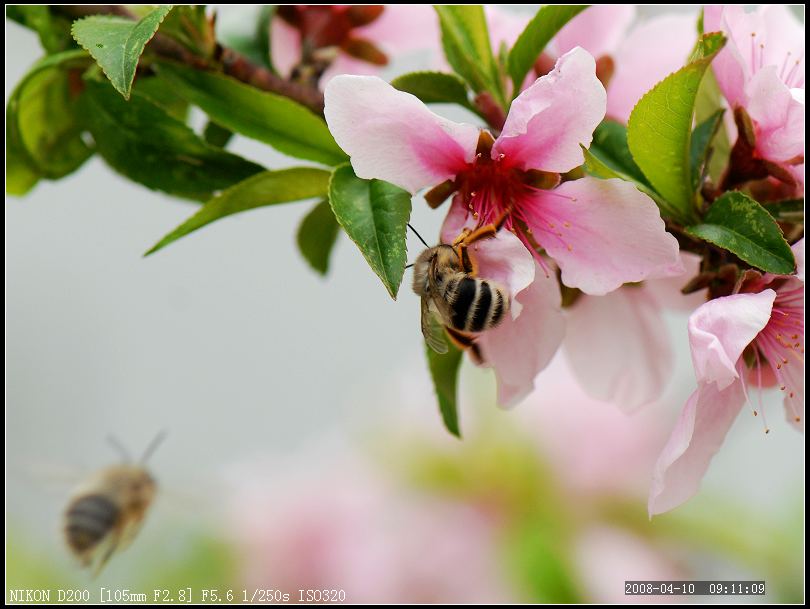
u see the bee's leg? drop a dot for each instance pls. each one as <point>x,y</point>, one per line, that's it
<point>462,236</point>
<point>484,232</point>
<point>468,237</point>
<point>465,341</point>
<point>106,554</point>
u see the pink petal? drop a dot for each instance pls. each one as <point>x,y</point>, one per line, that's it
<point>721,329</point>
<point>605,554</point>
<point>637,71</point>
<point>598,29</point>
<point>549,120</point>
<point>777,40</point>
<point>457,219</point>
<point>503,259</point>
<point>618,347</point>
<point>504,26</point>
<point>402,28</point>
<point>285,46</point>
<point>783,42</point>
<point>798,253</point>
<point>667,290</point>
<point>602,451</point>
<point>778,115</point>
<point>518,349</point>
<point>346,64</point>
<point>797,171</point>
<point>730,67</point>
<point>698,435</point>
<point>391,135</point>
<point>602,233</point>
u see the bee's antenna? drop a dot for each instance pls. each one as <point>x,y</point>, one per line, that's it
<point>418,235</point>
<point>119,447</point>
<point>153,445</point>
<point>407,266</point>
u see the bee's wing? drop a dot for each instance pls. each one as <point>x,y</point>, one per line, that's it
<point>431,330</point>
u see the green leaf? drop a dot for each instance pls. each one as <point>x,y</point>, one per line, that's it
<point>434,88</point>
<point>217,135</point>
<point>533,40</point>
<point>20,176</point>
<point>465,39</point>
<point>702,137</point>
<point>275,120</point>
<point>595,167</point>
<point>374,214</point>
<point>161,94</point>
<point>191,27</point>
<point>742,226</point>
<point>444,372</point>
<point>609,157</point>
<point>43,134</point>
<point>142,141</point>
<point>660,127</point>
<point>117,43</point>
<point>317,235</point>
<point>263,189</point>
<point>609,145</point>
<point>53,30</point>
<point>710,100</point>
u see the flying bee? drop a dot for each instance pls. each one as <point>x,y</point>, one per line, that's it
<point>106,512</point>
<point>445,277</point>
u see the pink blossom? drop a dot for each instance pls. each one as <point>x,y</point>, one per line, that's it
<point>761,328</point>
<point>605,555</point>
<point>365,38</point>
<point>761,70</point>
<point>598,451</point>
<point>617,344</point>
<point>347,529</point>
<point>648,54</point>
<point>630,60</point>
<point>536,325</point>
<point>601,233</point>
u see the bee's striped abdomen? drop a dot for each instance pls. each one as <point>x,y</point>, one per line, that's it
<point>476,304</point>
<point>463,292</point>
<point>499,308</point>
<point>88,520</point>
<point>480,311</point>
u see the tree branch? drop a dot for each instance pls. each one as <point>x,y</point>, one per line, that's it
<point>226,60</point>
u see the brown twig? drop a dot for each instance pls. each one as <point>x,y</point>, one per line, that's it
<point>227,60</point>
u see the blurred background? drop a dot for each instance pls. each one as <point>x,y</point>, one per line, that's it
<point>304,445</point>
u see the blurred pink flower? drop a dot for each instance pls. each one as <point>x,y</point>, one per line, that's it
<point>601,233</point>
<point>762,328</point>
<point>618,346</point>
<point>347,529</point>
<point>597,449</point>
<point>606,557</point>
<point>605,32</point>
<point>648,54</point>
<point>365,37</point>
<point>761,69</point>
